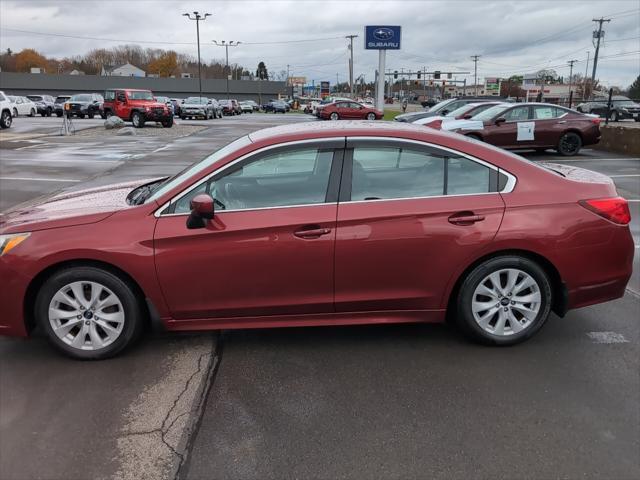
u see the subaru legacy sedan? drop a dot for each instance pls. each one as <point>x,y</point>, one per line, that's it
<point>318,224</point>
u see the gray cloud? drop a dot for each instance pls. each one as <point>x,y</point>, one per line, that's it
<point>512,36</point>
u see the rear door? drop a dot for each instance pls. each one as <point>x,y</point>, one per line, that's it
<point>550,124</point>
<point>409,215</point>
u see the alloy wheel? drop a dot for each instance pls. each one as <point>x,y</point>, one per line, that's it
<point>506,302</point>
<point>86,315</point>
<point>569,144</point>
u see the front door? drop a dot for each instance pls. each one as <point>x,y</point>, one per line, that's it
<point>269,248</point>
<point>512,132</point>
<point>413,215</point>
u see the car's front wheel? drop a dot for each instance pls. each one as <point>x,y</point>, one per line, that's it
<point>88,313</point>
<point>5,119</point>
<point>504,300</point>
<point>371,116</point>
<point>137,119</point>
<point>570,144</point>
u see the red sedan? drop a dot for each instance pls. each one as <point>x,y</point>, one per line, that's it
<point>349,111</point>
<point>319,224</point>
<point>531,126</point>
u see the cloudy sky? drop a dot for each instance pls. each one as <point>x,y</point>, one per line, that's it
<point>512,37</point>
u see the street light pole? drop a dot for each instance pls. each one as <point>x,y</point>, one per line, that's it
<point>351,37</point>
<point>226,45</point>
<point>197,17</point>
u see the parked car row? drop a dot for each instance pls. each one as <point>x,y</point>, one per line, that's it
<point>622,108</point>
<point>538,126</point>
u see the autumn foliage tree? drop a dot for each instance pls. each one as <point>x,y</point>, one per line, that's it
<point>28,59</point>
<point>165,65</point>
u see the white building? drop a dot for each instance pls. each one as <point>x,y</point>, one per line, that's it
<point>126,70</point>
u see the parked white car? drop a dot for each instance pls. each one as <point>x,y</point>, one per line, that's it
<point>22,106</point>
<point>5,111</point>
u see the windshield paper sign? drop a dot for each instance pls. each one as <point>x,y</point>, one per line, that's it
<point>383,37</point>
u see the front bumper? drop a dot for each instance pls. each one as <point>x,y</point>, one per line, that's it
<point>157,115</point>
<point>14,288</point>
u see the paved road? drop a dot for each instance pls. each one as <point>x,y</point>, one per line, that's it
<point>401,401</point>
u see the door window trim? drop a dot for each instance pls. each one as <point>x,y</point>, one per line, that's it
<point>345,188</point>
<point>334,175</point>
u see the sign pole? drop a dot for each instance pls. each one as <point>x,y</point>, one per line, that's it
<point>381,76</point>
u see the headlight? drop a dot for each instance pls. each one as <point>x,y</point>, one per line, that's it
<point>9,242</point>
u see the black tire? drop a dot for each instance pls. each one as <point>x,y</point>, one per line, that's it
<point>5,119</point>
<point>44,113</point>
<point>32,113</point>
<point>182,117</point>
<point>81,115</point>
<point>464,315</point>
<point>614,116</point>
<point>58,114</point>
<point>168,123</point>
<point>49,112</point>
<point>133,313</point>
<point>15,112</point>
<point>569,144</point>
<point>90,115</point>
<point>137,119</point>
<point>637,119</point>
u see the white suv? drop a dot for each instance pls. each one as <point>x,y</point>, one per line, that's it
<point>5,111</point>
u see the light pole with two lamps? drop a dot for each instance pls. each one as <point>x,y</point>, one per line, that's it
<point>198,17</point>
<point>226,45</point>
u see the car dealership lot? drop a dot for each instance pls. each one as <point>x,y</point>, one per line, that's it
<point>355,402</point>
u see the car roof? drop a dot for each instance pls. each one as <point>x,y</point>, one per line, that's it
<point>344,128</point>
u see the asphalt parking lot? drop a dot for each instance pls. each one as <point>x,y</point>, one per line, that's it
<point>401,401</point>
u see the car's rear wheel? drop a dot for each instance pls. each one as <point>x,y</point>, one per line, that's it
<point>90,115</point>
<point>168,123</point>
<point>371,116</point>
<point>108,113</point>
<point>504,300</point>
<point>334,116</point>
<point>88,313</point>
<point>5,119</point>
<point>570,143</point>
<point>15,112</point>
<point>32,113</point>
<point>137,119</point>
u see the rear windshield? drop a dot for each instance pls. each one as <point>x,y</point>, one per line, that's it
<point>196,100</point>
<point>81,98</point>
<point>62,99</point>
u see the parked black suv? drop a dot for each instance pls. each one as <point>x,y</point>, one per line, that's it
<point>621,108</point>
<point>44,103</point>
<point>58,107</point>
<point>89,104</point>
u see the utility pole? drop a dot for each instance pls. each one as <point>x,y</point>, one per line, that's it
<point>599,34</point>
<point>571,62</point>
<point>197,17</point>
<point>226,46</point>
<point>475,73</point>
<point>586,69</point>
<point>351,37</point>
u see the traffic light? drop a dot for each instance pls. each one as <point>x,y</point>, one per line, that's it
<point>418,75</point>
<point>395,74</point>
<point>436,74</point>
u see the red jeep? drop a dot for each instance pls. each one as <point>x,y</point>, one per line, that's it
<point>137,106</point>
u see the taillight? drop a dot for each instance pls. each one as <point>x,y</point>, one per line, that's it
<point>596,121</point>
<point>615,209</point>
<point>435,124</point>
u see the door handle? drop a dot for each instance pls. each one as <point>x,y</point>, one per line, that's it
<point>562,121</point>
<point>465,219</point>
<point>311,232</point>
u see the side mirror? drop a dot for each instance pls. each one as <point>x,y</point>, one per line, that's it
<point>201,209</point>
<point>500,120</point>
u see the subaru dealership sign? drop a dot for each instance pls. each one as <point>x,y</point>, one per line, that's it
<point>382,37</point>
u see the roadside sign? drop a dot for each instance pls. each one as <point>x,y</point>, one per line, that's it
<point>382,37</point>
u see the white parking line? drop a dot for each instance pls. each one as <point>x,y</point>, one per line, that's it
<point>562,160</point>
<point>622,176</point>
<point>607,337</point>
<point>35,179</point>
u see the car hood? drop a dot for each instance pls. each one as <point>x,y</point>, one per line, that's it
<point>65,209</point>
<point>468,124</point>
<point>194,105</point>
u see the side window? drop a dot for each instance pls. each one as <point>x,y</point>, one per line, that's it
<point>287,178</point>
<point>393,172</point>
<point>517,114</point>
<point>465,176</point>
<point>120,96</point>
<point>544,113</point>
<point>109,95</point>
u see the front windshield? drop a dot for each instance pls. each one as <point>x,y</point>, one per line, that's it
<point>80,98</point>
<point>489,113</point>
<point>196,100</point>
<point>35,98</point>
<point>438,106</point>
<point>198,167</point>
<point>460,110</point>
<point>224,102</point>
<point>143,95</point>
<point>62,99</point>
